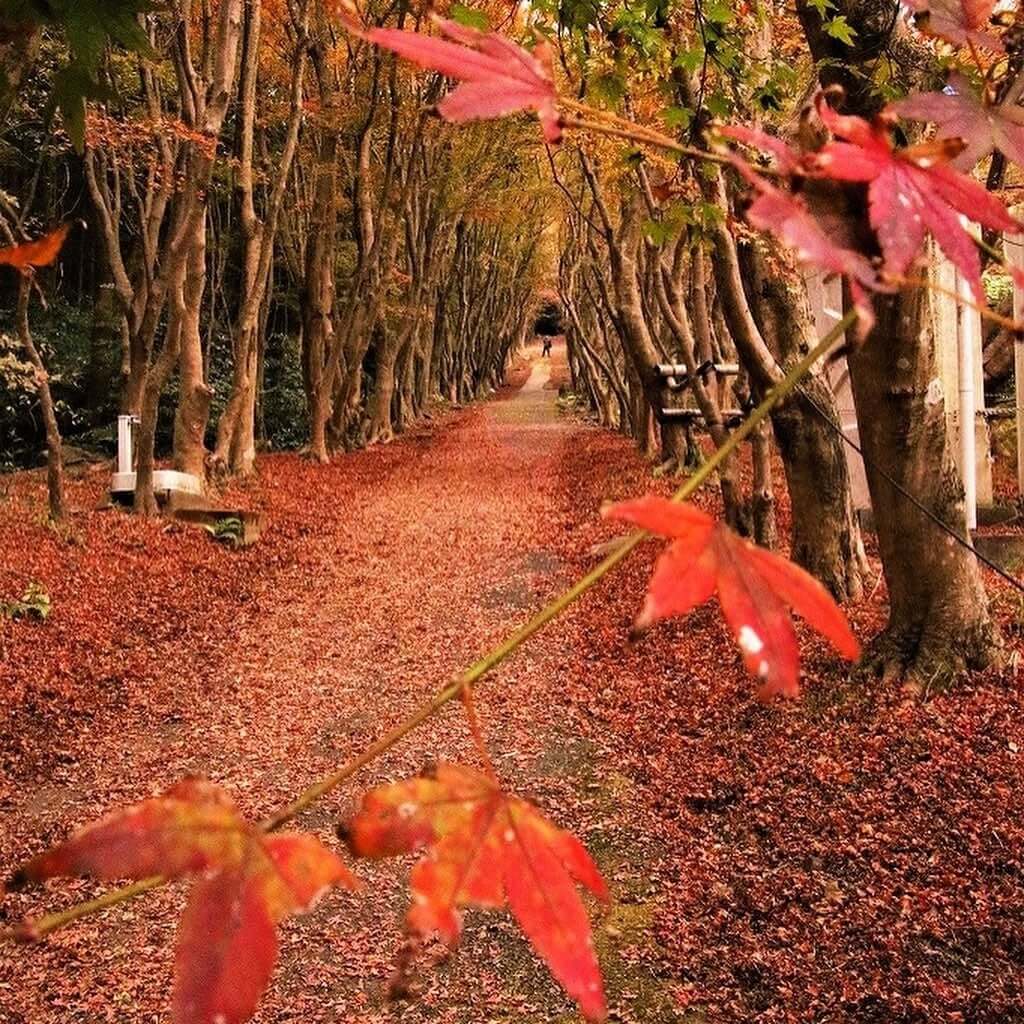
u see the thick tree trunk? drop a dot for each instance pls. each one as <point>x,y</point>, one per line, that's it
<point>939,622</point>
<point>193,412</point>
<point>20,39</point>
<point>826,538</point>
<point>390,343</point>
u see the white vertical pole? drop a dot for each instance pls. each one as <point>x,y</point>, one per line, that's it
<point>1014,252</point>
<point>124,443</point>
<point>967,326</point>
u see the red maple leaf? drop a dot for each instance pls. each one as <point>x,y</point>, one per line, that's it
<point>910,192</point>
<point>960,22</point>
<point>227,943</point>
<point>40,252</point>
<point>960,113</point>
<point>786,216</point>
<point>486,848</point>
<point>754,588</point>
<point>497,76</point>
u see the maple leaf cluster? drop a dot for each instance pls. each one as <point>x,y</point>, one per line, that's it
<point>911,191</point>
<point>484,848</point>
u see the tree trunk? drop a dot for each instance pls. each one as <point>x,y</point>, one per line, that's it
<point>194,395</point>
<point>107,355</point>
<point>825,534</point>
<point>54,459</point>
<point>939,622</point>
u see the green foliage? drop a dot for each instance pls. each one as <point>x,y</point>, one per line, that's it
<point>470,17</point>
<point>284,399</point>
<point>88,26</point>
<point>61,334</point>
<point>33,604</point>
<point>229,530</point>
<point>839,28</point>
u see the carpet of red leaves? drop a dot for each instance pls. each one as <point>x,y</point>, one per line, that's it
<point>857,855</point>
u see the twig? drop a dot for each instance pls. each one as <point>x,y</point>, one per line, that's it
<point>43,926</point>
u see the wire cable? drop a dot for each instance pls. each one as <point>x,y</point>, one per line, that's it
<point>900,489</point>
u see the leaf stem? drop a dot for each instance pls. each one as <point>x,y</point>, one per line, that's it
<point>645,136</point>
<point>606,123</point>
<point>39,928</point>
<point>475,730</point>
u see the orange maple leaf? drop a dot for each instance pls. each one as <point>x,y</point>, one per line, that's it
<point>40,252</point>
<point>486,848</point>
<point>227,943</point>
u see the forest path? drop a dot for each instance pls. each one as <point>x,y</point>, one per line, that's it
<point>411,562</point>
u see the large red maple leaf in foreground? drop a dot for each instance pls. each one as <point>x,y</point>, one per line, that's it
<point>910,192</point>
<point>485,848</point>
<point>227,943</point>
<point>497,76</point>
<point>755,589</point>
<point>961,22</point>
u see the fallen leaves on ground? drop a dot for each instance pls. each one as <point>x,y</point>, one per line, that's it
<point>855,855</point>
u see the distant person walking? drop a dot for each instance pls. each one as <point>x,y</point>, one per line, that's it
<point>546,350</point>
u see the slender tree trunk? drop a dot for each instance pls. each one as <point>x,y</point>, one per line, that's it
<point>54,457</point>
<point>194,395</point>
<point>106,349</point>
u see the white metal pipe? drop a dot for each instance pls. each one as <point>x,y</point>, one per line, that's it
<point>124,443</point>
<point>1014,252</point>
<point>968,335</point>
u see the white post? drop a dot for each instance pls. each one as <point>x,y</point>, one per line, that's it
<point>124,444</point>
<point>967,325</point>
<point>1013,249</point>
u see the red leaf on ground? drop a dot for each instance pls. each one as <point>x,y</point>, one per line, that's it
<point>754,588</point>
<point>498,76</point>
<point>960,22</point>
<point>486,848</point>
<point>911,192</point>
<point>38,253</point>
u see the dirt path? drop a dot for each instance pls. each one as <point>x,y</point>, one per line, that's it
<point>409,562</point>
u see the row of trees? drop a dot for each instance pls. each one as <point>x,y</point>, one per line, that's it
<point>250,161</point>
<point>247,163</point>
